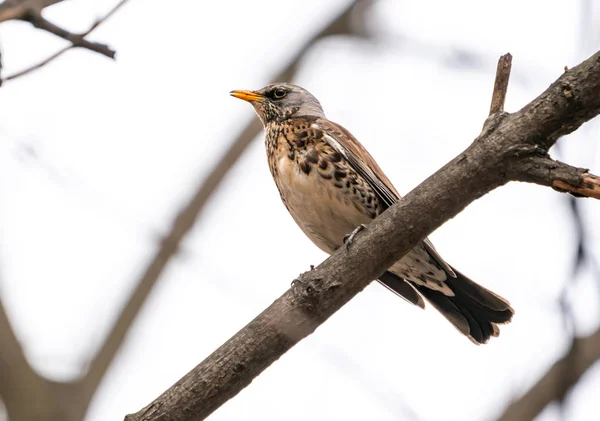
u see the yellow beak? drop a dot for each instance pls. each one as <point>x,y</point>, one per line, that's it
<point>246,95</point>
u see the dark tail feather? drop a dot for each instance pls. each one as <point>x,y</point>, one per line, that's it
<point>473,310</point>
<point>402,288</point>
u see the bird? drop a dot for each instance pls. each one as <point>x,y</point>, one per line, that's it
<point>332,187</point>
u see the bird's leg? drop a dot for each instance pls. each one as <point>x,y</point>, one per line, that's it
<point>349,238</point>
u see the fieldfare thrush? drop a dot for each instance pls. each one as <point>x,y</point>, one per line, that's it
<point>331,186</point>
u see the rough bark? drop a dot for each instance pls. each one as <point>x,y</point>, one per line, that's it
<point>510,147</point>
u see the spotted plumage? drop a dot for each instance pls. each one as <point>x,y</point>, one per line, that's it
<point>330,185</point>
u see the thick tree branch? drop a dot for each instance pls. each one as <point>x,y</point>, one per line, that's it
<point>558,380</point>
<point>493,159</point>
<point>188,215</point>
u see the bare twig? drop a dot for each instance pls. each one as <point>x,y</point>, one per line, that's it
<point>562,177</point>
<point>35,66</point>
<point>76,40</point>
<point>588,186</point>
<point>554,385</point>
<point>188,215</point>
<point>501,83</point>
<point>498,155</point>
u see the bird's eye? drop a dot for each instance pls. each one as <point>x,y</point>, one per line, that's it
<point>279,93</point>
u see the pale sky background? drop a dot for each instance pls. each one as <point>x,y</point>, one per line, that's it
<point>97,156</point>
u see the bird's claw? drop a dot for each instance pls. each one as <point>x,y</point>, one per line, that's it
<point>349,238</point>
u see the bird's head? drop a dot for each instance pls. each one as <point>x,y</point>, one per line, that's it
<point>280,101</point>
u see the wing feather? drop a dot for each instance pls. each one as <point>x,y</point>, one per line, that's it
<point>350,148</point>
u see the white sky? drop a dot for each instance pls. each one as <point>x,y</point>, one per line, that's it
<point>119,146</point>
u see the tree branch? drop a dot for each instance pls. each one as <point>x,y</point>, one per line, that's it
<point>558,380</point>
<point>23,10</point>
<point>12,358</point>
<point>77,40</point>
<point>493,159</point>
<point>188,215</point>
<point>18,9</point>
<point>560,176</point>
<point>501,83</point>
<point>587,186</point>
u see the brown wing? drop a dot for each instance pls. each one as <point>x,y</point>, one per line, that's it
<point>361,160</point>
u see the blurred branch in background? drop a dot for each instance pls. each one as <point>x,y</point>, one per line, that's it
<point>558,380</point>
<point>31,11</point>
<point>511,147</point>
<point>14,368</point>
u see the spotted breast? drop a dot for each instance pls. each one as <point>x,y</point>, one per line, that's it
<point>317,185</point>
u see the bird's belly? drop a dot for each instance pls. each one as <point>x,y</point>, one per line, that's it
<point>325,212</point>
